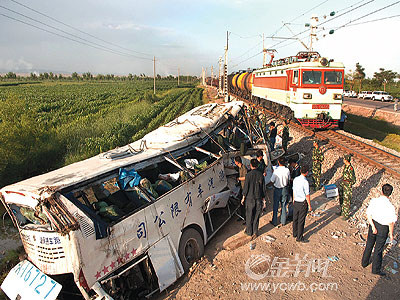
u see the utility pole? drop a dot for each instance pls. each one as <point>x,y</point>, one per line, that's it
<point>203,79</point>
<point>220,76</point>
<point>178,76</point>
<point>313,34</point>
<point>264,53</point>
<point>212,75</point>
<point>154,74</point>
<point>226,68</point>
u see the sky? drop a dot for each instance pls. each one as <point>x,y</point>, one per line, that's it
<point>122,36</point>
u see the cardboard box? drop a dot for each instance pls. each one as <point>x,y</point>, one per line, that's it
<point>331,190</point>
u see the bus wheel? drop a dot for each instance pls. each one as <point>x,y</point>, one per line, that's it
<point>191,248</point>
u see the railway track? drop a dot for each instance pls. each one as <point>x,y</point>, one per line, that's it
<point>366,152</point>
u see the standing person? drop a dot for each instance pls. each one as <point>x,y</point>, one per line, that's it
<point>317,159</point>
<point>346,187</point>
<point>294,169</point>
<point>272,135</point>
<point>381,218</point>
<point>285,135</point>
<point>241,179</point>
<point>254,196</point>
<point>301,203</point>
<point>261,162</point>
<point>280,180</point>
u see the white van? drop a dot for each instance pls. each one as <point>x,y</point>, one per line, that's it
<point>382,96</point>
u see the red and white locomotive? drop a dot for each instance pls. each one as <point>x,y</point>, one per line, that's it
<point>305,87</point>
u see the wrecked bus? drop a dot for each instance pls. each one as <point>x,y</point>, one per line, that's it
<point>126,223</point>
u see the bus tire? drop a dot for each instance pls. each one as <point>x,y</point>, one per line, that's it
<point>191,248</point>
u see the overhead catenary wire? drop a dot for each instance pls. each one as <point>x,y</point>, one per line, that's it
<point>367,15</point>
<point>73,35</point>
<point>329,20</point>
<point>74,28</point>
<point>63,36</point>
<point>371,21</point>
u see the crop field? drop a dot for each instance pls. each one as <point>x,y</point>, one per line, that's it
<point>47,125</point>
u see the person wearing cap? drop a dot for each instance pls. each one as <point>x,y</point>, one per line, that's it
<point>285,135</point>
<point>381,217</point>
<point>317,159</point>
<point>346,187</point>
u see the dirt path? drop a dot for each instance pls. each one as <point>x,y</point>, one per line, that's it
<point>284,268</point>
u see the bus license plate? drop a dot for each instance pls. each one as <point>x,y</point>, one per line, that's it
<point>25,281</point>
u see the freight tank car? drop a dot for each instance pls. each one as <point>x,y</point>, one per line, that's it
<point>305,87</point>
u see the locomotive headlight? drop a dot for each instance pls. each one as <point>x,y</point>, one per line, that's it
<point>337,96</point>
<point>307,96</point>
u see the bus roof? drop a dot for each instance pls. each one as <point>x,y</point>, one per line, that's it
<point>190,128</point>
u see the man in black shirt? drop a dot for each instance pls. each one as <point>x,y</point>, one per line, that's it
<point>272,135</point>
<point>261,162</point>
<point>294,172</point>
<point>254,196</point>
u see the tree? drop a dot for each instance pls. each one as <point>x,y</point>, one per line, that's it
<point>75,76</point>
<point>350,79</point>
<point>11,75</point>
<point>33,76</point>
<point>359,74</point>
<point>384,77</point>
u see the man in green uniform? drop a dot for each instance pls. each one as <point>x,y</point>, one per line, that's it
<point>285,135</point>
<point>346,187</point>
<point>317,159</point>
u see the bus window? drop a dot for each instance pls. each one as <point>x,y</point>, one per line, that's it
<point>295,77</point>
<point>312,77</point>
<point>333,77</point>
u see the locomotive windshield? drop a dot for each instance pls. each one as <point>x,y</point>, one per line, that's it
<point>333,77</point>
<point>312,77</point>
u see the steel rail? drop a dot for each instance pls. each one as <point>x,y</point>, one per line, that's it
<point>366,152</point>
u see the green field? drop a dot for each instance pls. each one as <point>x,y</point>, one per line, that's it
<point>46,125</point>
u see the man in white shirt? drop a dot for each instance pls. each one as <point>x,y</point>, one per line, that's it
<point>280,179</point>
<point>381,216</point>
<point>301,204</point>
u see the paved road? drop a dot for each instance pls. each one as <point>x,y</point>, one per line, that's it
<point>386,106</point>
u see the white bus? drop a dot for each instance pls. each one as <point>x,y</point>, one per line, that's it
<point>126,223</point>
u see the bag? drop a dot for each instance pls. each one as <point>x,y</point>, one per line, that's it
<point>128,178</point>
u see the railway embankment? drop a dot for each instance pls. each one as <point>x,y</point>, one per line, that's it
<point>369,112</point>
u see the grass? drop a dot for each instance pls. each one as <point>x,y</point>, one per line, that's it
<point>10,259</point>
<point>377,130</point>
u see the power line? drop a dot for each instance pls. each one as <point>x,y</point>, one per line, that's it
<point>304,31</point>
<point>376,20</point>
<point>63,36</point>
<point>81,31</point>
<point>246,59</point>
<point>73,35</point>
<point>373,12</point>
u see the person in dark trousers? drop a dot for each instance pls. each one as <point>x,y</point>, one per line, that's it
<point>294,169</point>
<point>280,180</point>
<point>241,179</point>
<point>272,135</point>
<point>301,204</point>
<point>254,198</point>
<point>261,162</point>
<point>381,217</point>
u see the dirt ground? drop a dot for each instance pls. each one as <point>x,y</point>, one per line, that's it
<point>284,268</point>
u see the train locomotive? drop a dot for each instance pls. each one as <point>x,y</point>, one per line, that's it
<point>306,87</point>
